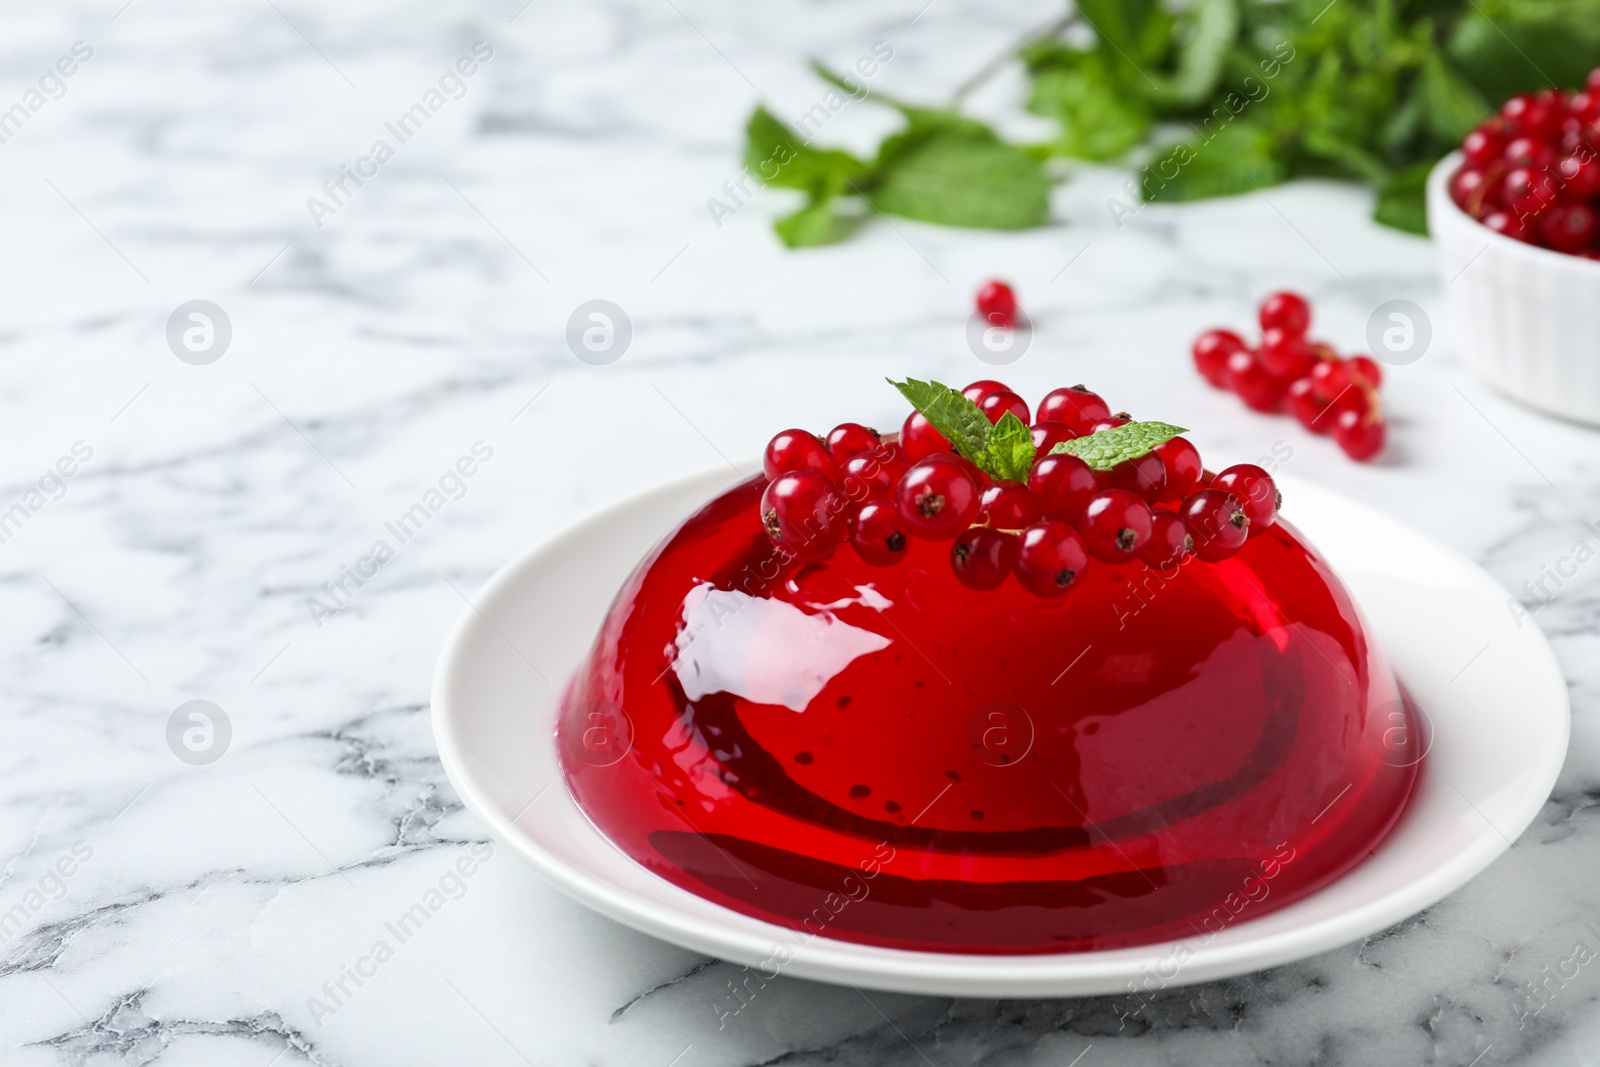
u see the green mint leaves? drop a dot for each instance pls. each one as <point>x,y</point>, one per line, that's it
<point>1011,448</point>
<point>1107,448</point>
<point>963,425</point>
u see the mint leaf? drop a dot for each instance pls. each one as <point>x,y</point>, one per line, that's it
<point>1107,448</point>
<point>779,157</point>
<point>957,172</point>
<point>818,223</point>
<point>963,425</point>
<point>1239,158</point>
<point>1099,120</point>
<point>1011,448</point>
<point>1402,201</point>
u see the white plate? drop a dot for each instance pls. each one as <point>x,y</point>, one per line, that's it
<point>1493,690</point>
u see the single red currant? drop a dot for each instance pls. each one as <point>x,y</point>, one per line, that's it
<point>1255,489</point>
<point>1181,461</point>
<point>1471,189</point>
<point>1504,222</point>
<point>1218,522</point>
<point>1121,418</point>
<point>797,450</point>
<point>1581,172</point>
<point>1075,406</point>
<point>1050,558</point>
<point>1529,152</point>
<point>1531,114</point>
<point>872,475</point>
<point>1254,384</point>
<point>1365,369</point>
<point>1046,435</point>
<point>1170,541</point>
<point>997,404</point>
<point>1062,486</point>
<point>804,513</point>
<point>982,388</point>
<point>1288,312</point>
<point>1116,524</point>
<point>1331,376</point>
<point>919,440</point>
<point>1361,436</point>
<point>1211,351</point>
<point>982,557</point>
<point>937,498</point>
<point>1008,506</point>
<point>1285,355</point>
<point>877,534</point>
<point>1308,405</point>
<point>1528,191</point>
<point>848,438</point>
<point>998,304</point>
<point>1145,476</point>
<point>1486,144</point>
<point>1569,227</point>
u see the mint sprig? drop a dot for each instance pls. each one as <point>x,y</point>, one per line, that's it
<point>1118,444</point>
<point>1002,450</point>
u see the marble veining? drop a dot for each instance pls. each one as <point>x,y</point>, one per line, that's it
<point>155,911</point>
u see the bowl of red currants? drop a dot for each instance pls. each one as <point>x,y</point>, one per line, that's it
<point>1515,215</point>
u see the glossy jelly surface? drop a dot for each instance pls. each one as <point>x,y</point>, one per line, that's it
<point>883,756</point>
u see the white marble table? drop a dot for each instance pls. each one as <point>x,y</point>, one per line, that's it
<point>158,912</point>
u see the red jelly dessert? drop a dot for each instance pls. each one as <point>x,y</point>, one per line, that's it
<point>1103,713</point>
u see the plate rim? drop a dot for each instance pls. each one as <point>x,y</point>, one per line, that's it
<point>1087,973</point>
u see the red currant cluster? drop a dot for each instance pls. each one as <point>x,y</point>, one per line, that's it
<point>1326,393</point>
<point>1159,507</point>
<point>1532,172</point>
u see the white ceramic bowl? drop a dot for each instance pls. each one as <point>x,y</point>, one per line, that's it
<point>1528,318</point>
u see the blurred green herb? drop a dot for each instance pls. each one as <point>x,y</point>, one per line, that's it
<point>1208,98</point>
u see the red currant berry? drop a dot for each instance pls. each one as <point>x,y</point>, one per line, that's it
<point>982,557</point>
<point>1254,384</point>
<point>1568,227</point>
<point>1507,224</point>
<point>1486,144</point>
<point>1581,172</point>
<point>877,535</point>
<point>1008,506</point>
<point>1331,376</point>
<point>1145,476</point>
<point>1062,486</point>
<point>1365,369</point>
<point>937,498</point>
<point>996,405</point>
<point>804,512</point>
<point>1050,558</point>
<point>1593,81</point>
<point>1211,351</point>
<point>848,438</point>
<point>998,304</point>
<point>1170,541</point>
<point>1075,406</point>
<point>982,388</point>
<point>1181,461</point>
<point>1531,114</point>
<point>1307,404</point>
<point>872,475</point>
<point>919,440</point>
<point>1528,191</point>
<point>1255,489</point>
<point>1471,188</point>
<point>1116,524</point>
<point>1529,152</point>
<point>1361,436</point>
<point>1288,312</point>
<point>1046,435</point>
<point>1121,418</point>
<point>797,450</point>
<point>1285,355</point>
<point>1217,521</point>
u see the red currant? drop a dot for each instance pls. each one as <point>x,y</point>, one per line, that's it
<point>1046,435</point>
<point>1331,376</point>
<point>1255,489</point>
<point>982,557</point>
<point>877,535</point>
<point>1121,418</point>
<point>1365,369</point>
<point>1285,355</point>
<point>1285,311</point>
<point>1531,114</point>
<point>996,405</point>
<point>1218,522</point>
<point>919,440</point>
<point>1050,558</point>
<point>1116,524</point>
<point>1008,506</point>
<point>1593,81</point>
<point>1254,384</point>
<point>848,438</point>
<point>1181,461</point>
<point>1528,191</point>
<point>1145,476</point>
<point>1211,351</point>
<point>937,498</point>
<point>998,304</point>
<point>1529,152</point>
<point>982,388</point>
<point>1361,436</point>
<point>1471,190</point>
<point>1504,222</point>
<point>804,512</point>
<point>1568,227</point>
<point>872,475</point>
<point>1170,541</point>
<point>1075,406</point>
<point>1486,144</point>
<point>797,450</point>
<point>1061,486</point>
<point>1307,404</point>
<point>1581,172</point>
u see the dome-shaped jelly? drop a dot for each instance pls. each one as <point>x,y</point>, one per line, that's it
<point>881,755</point>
